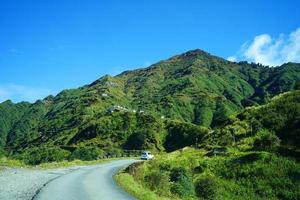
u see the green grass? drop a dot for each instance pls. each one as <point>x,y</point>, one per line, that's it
<point>237,175</point>
<point>7,162</point>
<point>127,182</point>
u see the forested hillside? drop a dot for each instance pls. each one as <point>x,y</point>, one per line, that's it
<point>144,108</point>
<point>10,114</point>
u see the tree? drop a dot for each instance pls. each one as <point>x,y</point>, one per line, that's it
<point>183,134</point>
<point>266,141</point>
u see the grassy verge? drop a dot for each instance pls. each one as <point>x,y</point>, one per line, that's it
<point>7,162</point>
<point>127,182</point>
<point>196,174</point>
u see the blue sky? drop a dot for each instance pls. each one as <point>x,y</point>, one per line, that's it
<point>50,45</point>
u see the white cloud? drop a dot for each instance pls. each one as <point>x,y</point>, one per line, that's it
<point>232,58</point>
<point>272,51</point>
<point>18,93</point>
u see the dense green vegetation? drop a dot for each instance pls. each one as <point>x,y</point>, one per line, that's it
<point>169,105</point>
<point>274,125</point>
<point>9,115</point>
<point>261,161</point>
<point>192,174</point>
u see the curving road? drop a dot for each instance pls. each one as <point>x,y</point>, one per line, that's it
<point>88,183</point>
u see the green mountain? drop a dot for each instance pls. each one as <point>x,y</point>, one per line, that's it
<point>255,155</point>
<point>145,107</point>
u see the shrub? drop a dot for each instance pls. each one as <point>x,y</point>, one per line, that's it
<point>158,181</point>
<point>177,172</point>
<point>2,153</point>
<point>184,187</point>
<point>200,168</point>
<point>137,140</point>
<point>266,141</point>
<point>183,134</point>
<point>133,168</point>
<point>206,187</point>
<point>86,153</point>
<point>182,182</point>
<point>44,154</point>
<point>297,85</point>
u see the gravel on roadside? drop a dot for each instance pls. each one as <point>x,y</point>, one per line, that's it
<point>23,184</point>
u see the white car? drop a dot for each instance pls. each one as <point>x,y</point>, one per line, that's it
<point>147,155</point>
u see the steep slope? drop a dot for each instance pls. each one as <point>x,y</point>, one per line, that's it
<point>26,128</point>
<point>10,114</point>
<point>194,87</point>
<point>274,124</point>
<point>268,82</point>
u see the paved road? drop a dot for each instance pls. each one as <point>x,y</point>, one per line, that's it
<point>89,183</point>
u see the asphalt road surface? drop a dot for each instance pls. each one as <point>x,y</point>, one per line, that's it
<point>88,183</point>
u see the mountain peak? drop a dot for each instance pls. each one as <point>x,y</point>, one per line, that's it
<point>194,52</point>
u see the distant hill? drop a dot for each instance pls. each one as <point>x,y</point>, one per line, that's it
<point>137,109</point>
